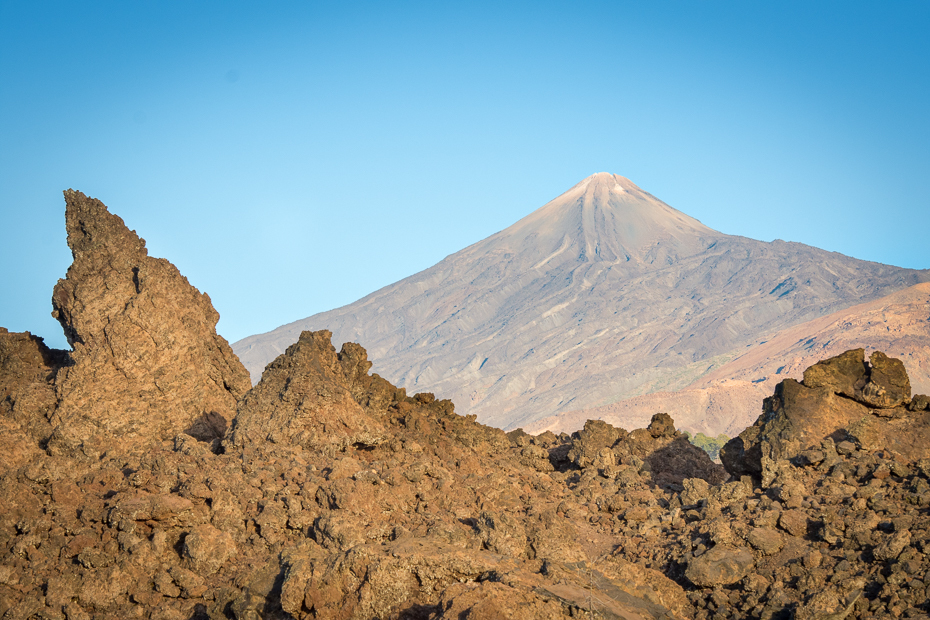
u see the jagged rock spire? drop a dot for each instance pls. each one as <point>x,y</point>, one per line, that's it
<point>147,361</point>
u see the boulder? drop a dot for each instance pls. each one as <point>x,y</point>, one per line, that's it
<point>588,442</point>
<point>888,385</point>
<point>846,374</point>
<point>207,548</point>
<point>719,566</point>
<point>841,399</point>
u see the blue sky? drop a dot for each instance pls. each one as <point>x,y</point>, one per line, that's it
<point>291,159</point>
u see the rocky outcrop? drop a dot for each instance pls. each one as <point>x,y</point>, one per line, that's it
<point>336,495</point>
<point>27,396</point>
<point>147,362</point>
<point>305,398</point>
<point>27,382</point>
<point>841,398</point>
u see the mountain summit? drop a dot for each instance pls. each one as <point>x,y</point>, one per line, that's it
<point>609,218</point>
<point>602,294</point>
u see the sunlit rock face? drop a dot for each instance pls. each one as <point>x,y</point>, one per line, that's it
<point>844,398</point>
<point>147,361</point>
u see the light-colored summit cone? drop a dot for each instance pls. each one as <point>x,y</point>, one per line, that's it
<point>604,219</point>
<point>602,294</point>
<point>607,217</point>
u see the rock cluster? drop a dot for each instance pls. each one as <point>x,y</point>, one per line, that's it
<point>334,494</point>
<point>845,398</point>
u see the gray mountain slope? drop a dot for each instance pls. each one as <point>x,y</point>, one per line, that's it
<point>602,294</point>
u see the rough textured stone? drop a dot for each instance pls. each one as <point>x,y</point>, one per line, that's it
<point>888,385</point>
<point>842,398</point>
<point>27,396</point>
<point>147,362</point>
<point>719,566</point>
<point>845,374</point>
<point>766,540</point>
<point>660,452</point>
<point>303,400</point>
<point>208,548</point>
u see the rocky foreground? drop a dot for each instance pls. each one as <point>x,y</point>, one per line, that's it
<point>141,477</point>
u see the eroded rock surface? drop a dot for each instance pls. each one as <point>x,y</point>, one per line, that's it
<point>27,386</point>
<point>147,362</point>
<point>841,398</point>
<point>305,398</point>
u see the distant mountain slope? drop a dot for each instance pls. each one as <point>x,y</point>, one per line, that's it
<point>730,398</point>
<point>602,294</point>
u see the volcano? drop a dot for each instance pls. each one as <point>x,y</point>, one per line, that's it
<point>603,294</point>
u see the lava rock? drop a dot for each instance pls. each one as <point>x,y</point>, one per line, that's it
<point>147,361</point>
<point>719,566</point>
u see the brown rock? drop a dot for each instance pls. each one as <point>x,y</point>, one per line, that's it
<point>828,604</point>
<point>17,447</point>
<point>766,540</point>
<point>696,490</point>
<point>803,415</point>
<point>893,546</point>
<point>719,566</point>
<point>147,362</point>
<point>662,425</point>
<point>888,385</point>
<point>27,382</point>
<point>648,584</point>
<point>795,522</point>
<point>208,548</point>
<point>845,374</point>
<point>303,399</point>
<point>920,402</point>
<point>589,441</point>
<point>495,601</point>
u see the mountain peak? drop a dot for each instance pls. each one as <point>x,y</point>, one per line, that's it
<point>607,217</point>
<point>607,180</point>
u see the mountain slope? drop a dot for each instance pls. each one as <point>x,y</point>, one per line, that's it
<point>730,398</point>
<point>602,294</point>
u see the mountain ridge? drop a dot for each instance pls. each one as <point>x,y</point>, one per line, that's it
<point>597,296</point>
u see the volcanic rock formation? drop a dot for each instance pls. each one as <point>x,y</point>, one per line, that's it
<point>147,362</point>
<point>27,395</point>
<point>603,294</point>
<point>335,495</point>
<point>844,398</point>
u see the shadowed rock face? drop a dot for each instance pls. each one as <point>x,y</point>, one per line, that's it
<point>147,362</point>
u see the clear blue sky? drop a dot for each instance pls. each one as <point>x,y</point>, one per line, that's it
<point>294,157</point>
